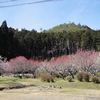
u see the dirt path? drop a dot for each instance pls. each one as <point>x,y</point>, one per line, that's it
<point>43,96</point>
<point>38,94</point>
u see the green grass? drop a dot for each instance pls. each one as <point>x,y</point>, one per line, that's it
<point>7,80</point>
<point>74,88</point>
<point>58,82</point>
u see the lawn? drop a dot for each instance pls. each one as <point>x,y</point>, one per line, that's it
<point>6,81</point>
<point>71,88</point>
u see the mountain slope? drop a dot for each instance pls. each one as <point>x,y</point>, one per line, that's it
<point>71,27</point>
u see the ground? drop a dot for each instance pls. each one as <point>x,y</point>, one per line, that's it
<point>37,90</point>
<point>47,93</point>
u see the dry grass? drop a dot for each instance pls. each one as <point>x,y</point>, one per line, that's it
<point>31,93</point>
<point>75,87</point>
<point>42,91</point>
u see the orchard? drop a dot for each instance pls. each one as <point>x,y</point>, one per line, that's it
<point>67,65</point>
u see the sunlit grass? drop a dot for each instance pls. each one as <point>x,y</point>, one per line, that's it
<point>58,82</point>
<point>8,80</point>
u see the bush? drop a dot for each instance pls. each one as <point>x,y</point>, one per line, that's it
<point>79,76</point>
<point>86,76</point>
<point>69,78</point>
<point>46,77</point>
<point>83,75</point>
<point>99,74</point>
<point>95,79</point>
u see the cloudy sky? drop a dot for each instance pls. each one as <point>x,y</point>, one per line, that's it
<point>46,15</point>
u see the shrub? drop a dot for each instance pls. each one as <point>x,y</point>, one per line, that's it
<point>99,74</point>
<point>95,79</point>
<point>79,76</point>
<point>86,76</point>
<point>46,77</point>
<point>69,78</point>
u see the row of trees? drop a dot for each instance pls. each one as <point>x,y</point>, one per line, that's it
<point>82,61</point>
<point>61,40</point>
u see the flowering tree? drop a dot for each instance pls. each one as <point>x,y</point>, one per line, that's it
<point>18,64</point>
<point>97,63</point>
<point>22,65</point>
<point>45,67</point>
<point>33,66</point>
<point>63,67</point>
<point>60,68</point>
<point>86,61</point>
<point>70,66</point>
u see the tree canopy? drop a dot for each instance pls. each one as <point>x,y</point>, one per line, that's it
<point>64,39</point>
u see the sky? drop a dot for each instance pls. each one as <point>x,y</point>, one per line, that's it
<point>49,14</point>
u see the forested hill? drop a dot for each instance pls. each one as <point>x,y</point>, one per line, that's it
<point>71,27</point>
<point>64,39</point>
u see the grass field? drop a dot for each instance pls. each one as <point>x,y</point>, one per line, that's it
<point>73,90</point>
<point>8,81</point>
